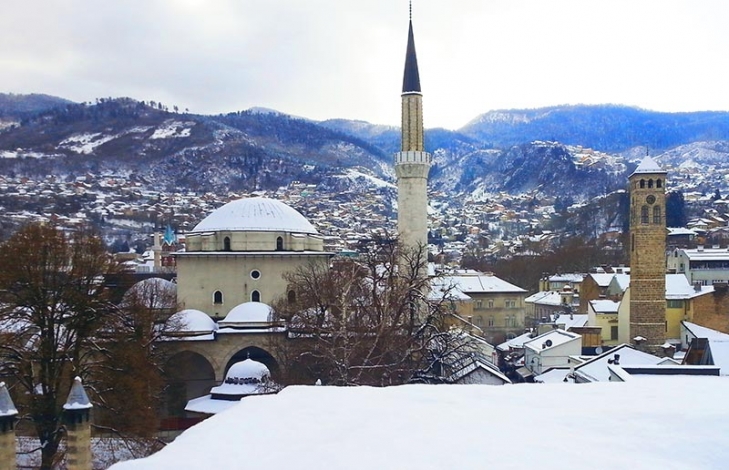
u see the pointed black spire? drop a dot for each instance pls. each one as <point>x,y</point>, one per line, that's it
<point>411,79</point>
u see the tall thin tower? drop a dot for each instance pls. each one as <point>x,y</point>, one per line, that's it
<point>412,163</point>
<point>648,255</point>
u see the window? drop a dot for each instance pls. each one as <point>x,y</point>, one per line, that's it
<point>279,244</point>
<point>650,183</point>
<point>217,297</point>
<point>509,321</point>
<point>674,303</point>
<point>255,296</point>
<point>656,215</point>
<point>644,215</point>
<point>255,274</point>
<point>479,304</point>
<point>491,303</point>
<point>659,183</point>
<point>642,183</point>
<point>613,332</point>
<point>510,303</point>
<point>291,297</point>
<point>491,321</point>
<point>226,244</point>
<point>479,320</point>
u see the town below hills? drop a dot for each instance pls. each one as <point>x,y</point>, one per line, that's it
<point>505,183</point>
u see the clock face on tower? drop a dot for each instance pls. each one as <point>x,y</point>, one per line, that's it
<point>650,199</point>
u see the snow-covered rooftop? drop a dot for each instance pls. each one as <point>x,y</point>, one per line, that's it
<point>648,165</point>
<point>470,281</point>
<point>605,306</point>
<point>596,370</point>
<point>257,214</point>
<point>434,427</point>
<point>247,312</point>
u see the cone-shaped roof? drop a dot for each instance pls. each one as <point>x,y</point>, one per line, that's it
<point>7,408</point>
<point>77,398</point>
<point>411,78</point>
<point>648,165</point>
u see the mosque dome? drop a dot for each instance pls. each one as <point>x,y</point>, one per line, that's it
<point>255,214</point>
<point>248,312</point>
<point>248,371</point>
<point>153,292</point>
<point>193,322</point>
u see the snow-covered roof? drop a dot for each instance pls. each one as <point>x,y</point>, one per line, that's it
<point>153,292</point>
<point>569,320</point>
<point>470,281</point>
<point>247,312</point>
<point>648,165</point>
<point>596,370</point>
<point>707,254</point>
<point>545,298</point>
<point>193,321</point>
<point>703,332</point>
<point>515,343</point>
<point>257,214</point>
<point>604,306</point>
<point>553,375</point>
<point>602,279</point>
<point>310,427</point>
<point>678,287</point>
<point>551,339</point>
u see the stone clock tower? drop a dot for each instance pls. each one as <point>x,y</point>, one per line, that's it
<point>412,163</point>
<point>648,255</point>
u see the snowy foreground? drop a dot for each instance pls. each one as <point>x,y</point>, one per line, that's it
<point>647,423</point>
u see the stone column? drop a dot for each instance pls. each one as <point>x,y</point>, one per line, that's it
<point>77,420</point>
<point>8,416</point>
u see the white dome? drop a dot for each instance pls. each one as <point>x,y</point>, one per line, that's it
<point>248,312</point>
<point>153,292</point>
<point>193,321</point>
<point>248,369</point>
<point>256,214</point>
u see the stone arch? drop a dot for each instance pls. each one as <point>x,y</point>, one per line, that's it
<point>659,183</point>
<point>257,354</point>
<point>279,244</point>
<point>217,297</point>
<point>642,183</point>
<point>255,296</point>
<point>226,244</point>
<point>188,375</point>
<point>650,183</point>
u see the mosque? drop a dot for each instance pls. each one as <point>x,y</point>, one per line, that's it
<point>233,266</point>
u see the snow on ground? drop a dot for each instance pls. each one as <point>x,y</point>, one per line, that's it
<point>85,143</point>
<point>354,175</point>
<point>171,129</point>
<point>637,425</point>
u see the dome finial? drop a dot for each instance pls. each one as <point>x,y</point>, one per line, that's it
<point>411,10</point>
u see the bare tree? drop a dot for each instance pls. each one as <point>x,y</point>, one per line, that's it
<point>53,302</point>
<point>370,320</point>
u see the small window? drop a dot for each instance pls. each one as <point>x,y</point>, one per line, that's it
<point>291,297</point>
<point>279,244</point>
<point>613,332</point>
<point>255,296</point>
<point>659,183</point>
<point>255,274</point>
<point>479,320</point>
<point>644,215</point>
<point>656,215</point>
<point>226,244</point>
<point>650,183</point>
<point>479,304</point>
<point>642,183</point>
<point>217,297</point>
<point>491,321</point>
<point>491,303</point>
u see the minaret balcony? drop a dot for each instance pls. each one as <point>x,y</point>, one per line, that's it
<point>413,157</point>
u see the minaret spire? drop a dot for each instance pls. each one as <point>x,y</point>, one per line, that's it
<point>412,163</point>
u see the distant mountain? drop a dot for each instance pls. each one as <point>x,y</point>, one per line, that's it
<point>242,150</point>
<point>608,128</point>
<point>18,106</point>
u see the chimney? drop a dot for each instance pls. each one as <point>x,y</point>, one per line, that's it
<point>77,419</point>
<point>8,416</point>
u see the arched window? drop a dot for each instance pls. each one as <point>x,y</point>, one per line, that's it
<point>255,296</point>
<point>279,244</point>
<point>656,215</point>
<point>644,215</point>
<point>659,183</point>
<point>650,183</point>
<point>226,244</point>
<point>217,297</point>
<point>291,297</point>
<point>642,183</point>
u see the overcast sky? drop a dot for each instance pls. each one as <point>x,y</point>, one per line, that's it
<point>344,58</point>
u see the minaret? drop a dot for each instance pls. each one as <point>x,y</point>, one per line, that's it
<point>412,163</point>
<point>648,255</point>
